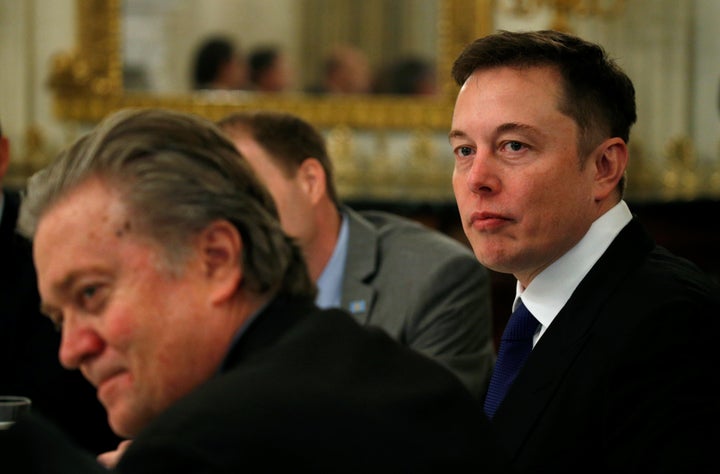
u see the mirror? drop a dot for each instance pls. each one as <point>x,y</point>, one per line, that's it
<point>281,45</point>
<point>88,82</point>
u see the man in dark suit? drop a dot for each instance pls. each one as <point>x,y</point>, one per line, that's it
<point>423,288</point>
<point>29,342</point>
<point>180,298</point>
<point>617,336</point>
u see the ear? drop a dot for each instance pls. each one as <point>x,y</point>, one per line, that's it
<point>4,156</point>
<point>220,249</point>
<point>312,178</point>
<point>609,161</point>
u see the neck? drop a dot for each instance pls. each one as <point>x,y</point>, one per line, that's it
<point>317,253</point>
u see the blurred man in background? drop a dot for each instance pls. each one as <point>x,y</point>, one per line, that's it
<point>423,288</point>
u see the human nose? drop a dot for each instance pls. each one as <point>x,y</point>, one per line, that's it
<point>483,177</point>
<point>79,342</point>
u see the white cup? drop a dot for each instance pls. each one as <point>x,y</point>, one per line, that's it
<point>11,407</point>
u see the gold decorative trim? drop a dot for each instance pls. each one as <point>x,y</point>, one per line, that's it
<point>87,82</point>
<point>95,67</point>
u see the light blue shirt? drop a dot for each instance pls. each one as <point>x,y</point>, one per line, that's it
<point>548,292</point>
<point>330,282</point>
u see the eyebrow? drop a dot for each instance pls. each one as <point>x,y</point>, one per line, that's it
<point>456,134</point>
<point>514,126</point>
<point>502,128</point>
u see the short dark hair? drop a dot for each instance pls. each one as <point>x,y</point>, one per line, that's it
<point>406,76</point>
<point>177,173</point>
<point>260,60</point>
<point>598,95</point>
<point>287,138</point>
<point>210,57</point>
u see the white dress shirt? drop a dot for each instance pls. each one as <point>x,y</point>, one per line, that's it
<point>548,292</point>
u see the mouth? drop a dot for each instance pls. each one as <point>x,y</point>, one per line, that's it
<point>488,221</point>
<point>105,381</point>
<point>109,386</point>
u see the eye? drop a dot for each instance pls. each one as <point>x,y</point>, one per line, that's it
<point>88,292</point>
<point>90,297</point>
<point>464,151</point>
<point>513,146</point>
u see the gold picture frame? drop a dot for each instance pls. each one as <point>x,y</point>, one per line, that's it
<point>87,82</point>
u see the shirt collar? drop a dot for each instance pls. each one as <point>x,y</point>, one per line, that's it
<point>548,292</point>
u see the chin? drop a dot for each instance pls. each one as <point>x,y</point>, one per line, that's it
<point>124,423</point>
<point>493,262</point>
<point>120,429</point>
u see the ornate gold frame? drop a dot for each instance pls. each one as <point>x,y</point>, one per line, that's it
<point>87,82</point>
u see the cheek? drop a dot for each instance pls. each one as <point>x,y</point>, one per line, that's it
<point>555,202</point>
<point>119,327</point>
<point>286,214</point>
<point>460,190</point>
<point>457,187</point>
<point>136,313</point>
<point>284,204</point>
<point>296,215</point>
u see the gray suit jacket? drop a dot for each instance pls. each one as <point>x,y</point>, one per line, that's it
<point>425,289</point>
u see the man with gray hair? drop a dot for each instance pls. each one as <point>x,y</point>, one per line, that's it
<point>161,257</point>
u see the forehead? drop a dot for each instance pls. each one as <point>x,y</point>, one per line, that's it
<point>93,200</point>
<point>90,221</point>
<point>510,95</point>
<point>518,82</point>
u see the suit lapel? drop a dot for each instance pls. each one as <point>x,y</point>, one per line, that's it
<point>555,353</point>
<point>358,296</point>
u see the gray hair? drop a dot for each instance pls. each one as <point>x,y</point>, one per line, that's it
<point>177,173</point>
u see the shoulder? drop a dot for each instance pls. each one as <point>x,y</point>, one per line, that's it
<point>411,236</point>
<point>662,298</point>
<point>410,257</point>
<point>669,276</point>
<point>680,291</point>
<point>327,383</point>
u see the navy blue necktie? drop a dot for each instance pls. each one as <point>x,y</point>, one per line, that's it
<point>515,347</point>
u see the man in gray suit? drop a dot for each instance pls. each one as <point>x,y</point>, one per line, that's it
<point>423,288</point>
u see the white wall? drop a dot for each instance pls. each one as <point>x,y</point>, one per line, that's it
<point>31,31</point>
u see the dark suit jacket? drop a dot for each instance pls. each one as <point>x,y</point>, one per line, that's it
<point>306,390</point>
<point>625,377</point>
<point>29,347</point>
<point>423,288</point>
